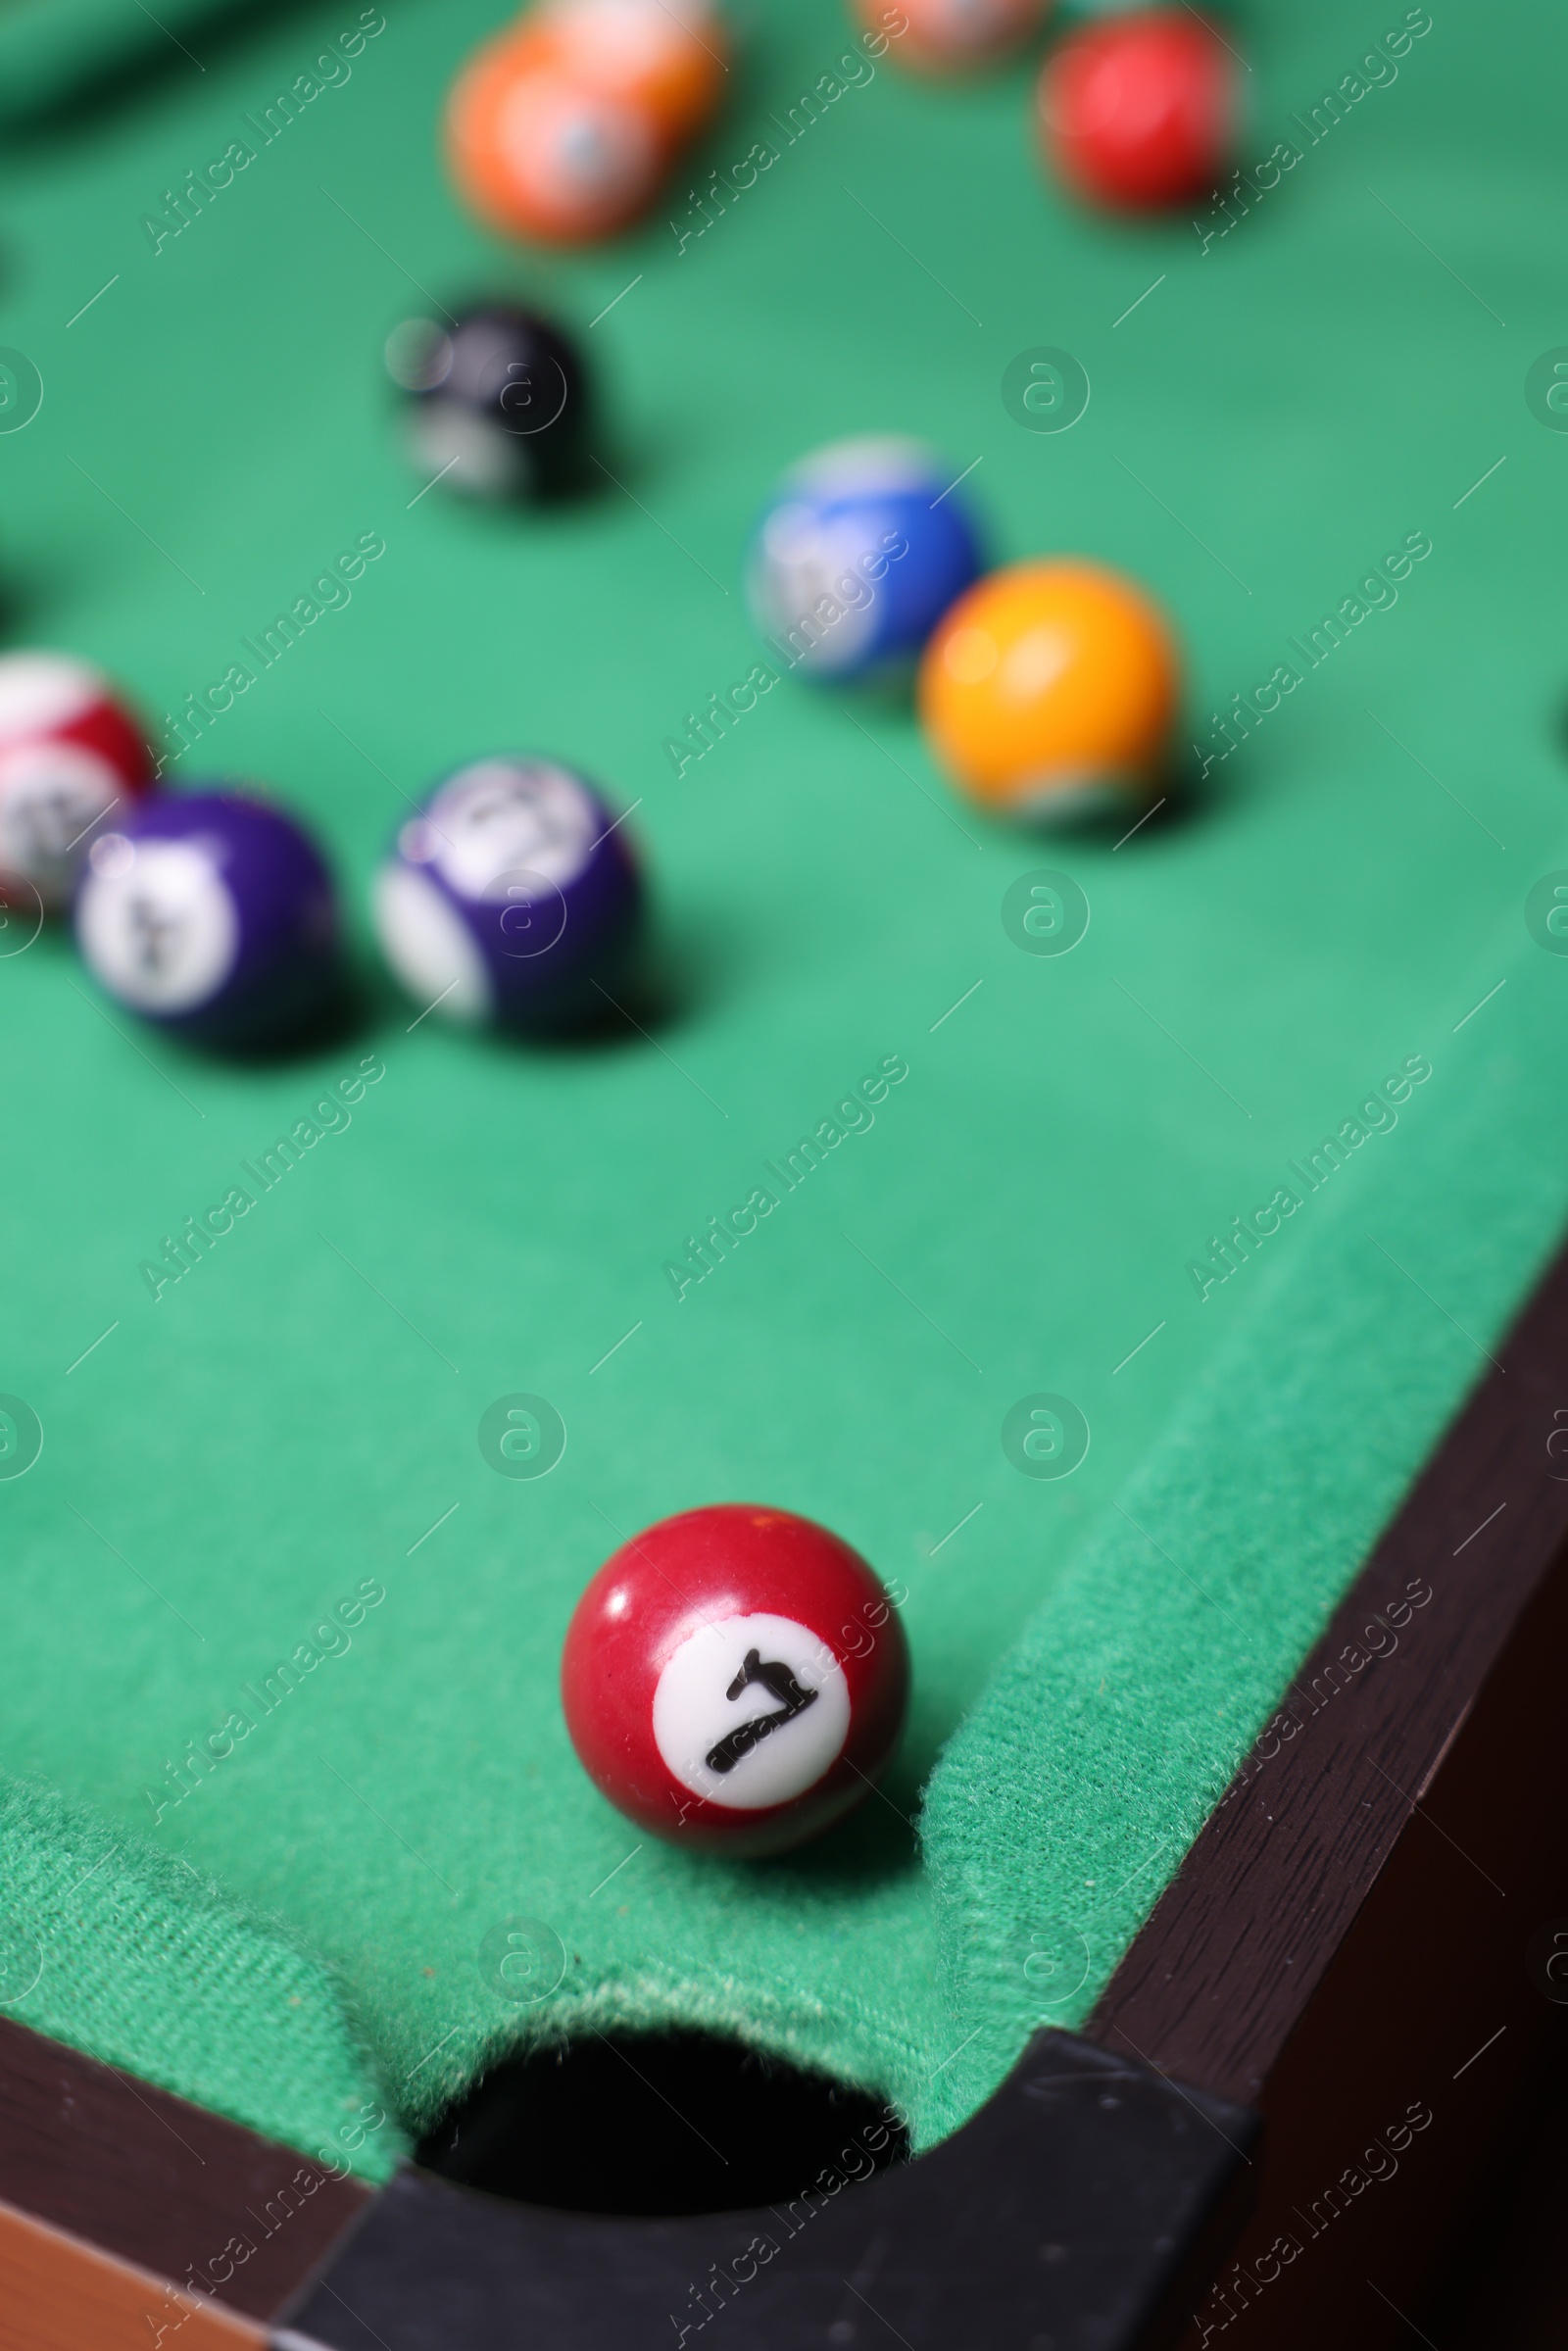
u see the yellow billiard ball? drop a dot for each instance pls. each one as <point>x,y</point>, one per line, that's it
<point>1049,691</point>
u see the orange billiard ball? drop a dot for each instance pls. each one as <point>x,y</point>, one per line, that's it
<point>537,153</point>
<point>1049,689</point>
<point>954,36</point>
<point>668,57</point>
<point>562,126</point>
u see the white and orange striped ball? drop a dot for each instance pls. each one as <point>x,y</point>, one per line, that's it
<point>954,36</point>
<point>70,753</point>
<point>669,57</point>
<point>538,152</point>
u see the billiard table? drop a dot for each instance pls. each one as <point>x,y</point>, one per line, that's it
<point>1162,1288</point>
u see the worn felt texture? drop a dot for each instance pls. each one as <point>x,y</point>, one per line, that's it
<point>1271,414</point>
<point>134,1955</point>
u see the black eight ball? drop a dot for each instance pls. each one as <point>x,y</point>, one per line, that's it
<point>497,402</point>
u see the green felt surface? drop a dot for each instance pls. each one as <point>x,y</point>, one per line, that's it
<point>298,1416</point>
<point>100,1937</point>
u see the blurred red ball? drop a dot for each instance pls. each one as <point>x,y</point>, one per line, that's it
<point>70,751</point>
<point>1139,111</point>
<point>735,1678</point>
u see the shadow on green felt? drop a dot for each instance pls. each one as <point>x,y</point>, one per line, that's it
<point>100,90</point>
<point>878,1844</point>
<point>682,969</point>
<point>31,592</point>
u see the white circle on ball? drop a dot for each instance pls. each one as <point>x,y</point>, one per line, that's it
<point>158,927</point>
<point>780,1731</point>
<point>429,945</point>
<point>51,794</point>
<point>498,817</point>
<point>589,148</point>
<point>480,455</point>
<point>806,560</point>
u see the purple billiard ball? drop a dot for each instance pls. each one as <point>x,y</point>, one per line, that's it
<point>512,898</point>
<point>214,915</point>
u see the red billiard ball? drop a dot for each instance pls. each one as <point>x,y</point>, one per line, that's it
<point>1140,110</point>
<point>70,752</point>
<point>735,1678</point>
